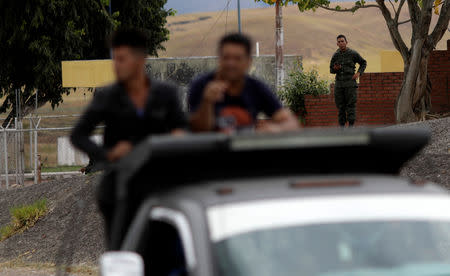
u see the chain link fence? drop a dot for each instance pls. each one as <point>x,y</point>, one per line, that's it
<point>38,146</point>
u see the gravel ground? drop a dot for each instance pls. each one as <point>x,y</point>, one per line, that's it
<point>72,232</point>
<point>433,163</point>
<point>30,271</point>
<point>25,272</point>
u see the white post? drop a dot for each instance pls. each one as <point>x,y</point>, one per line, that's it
<point>279,34</point>
<point>257,49</point>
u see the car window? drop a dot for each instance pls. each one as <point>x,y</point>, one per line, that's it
<point>163,250</point>
<point>339,249</point>
<point>379,235</point>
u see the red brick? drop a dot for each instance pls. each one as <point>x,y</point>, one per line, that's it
<point>377,94</point>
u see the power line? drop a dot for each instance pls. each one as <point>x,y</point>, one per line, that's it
<point>226,19</point>
<point>212,27</point>
<point>207,33</point>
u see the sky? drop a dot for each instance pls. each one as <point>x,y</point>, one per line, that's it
<point>190,6</point>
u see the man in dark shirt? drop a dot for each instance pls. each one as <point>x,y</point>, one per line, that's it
<point>131,109</point>
<point>228,99</point>
<point>345,90</point>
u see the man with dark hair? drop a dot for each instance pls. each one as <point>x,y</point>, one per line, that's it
<point>229,99</point>
<point>132,108</point>
<point>345,89</point>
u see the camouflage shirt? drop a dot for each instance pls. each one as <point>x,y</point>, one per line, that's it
<point>347,60</point>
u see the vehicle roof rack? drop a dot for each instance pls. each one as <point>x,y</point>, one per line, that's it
<point>162,162</point>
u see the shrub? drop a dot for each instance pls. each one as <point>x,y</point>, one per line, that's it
<point>6,232</point>
<point>298,84</point>
<point>23,217</point>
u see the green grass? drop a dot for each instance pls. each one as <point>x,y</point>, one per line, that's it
<point>23,217</point>
<point>61,169</point>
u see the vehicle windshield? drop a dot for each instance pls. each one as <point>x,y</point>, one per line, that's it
<point>357,248</point>
<point>378,244</point>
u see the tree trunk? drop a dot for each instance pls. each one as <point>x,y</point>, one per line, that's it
<point>413,101</point>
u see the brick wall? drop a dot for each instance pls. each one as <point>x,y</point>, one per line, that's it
<point>377,93</point>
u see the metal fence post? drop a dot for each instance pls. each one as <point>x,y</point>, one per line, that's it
<point>10,148</point>
<point>36,152</point>
<point>1,156</point>
<point>39,168</point>
<point>31,144</point>
<point>5,147</point>
<point>21,151</point>
<point>35,157</point>
<point>16,150</point>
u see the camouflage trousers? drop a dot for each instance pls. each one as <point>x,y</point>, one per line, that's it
<point>345,98</point>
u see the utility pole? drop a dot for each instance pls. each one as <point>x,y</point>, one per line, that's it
<point>279,37</point>
<point>239,15</point>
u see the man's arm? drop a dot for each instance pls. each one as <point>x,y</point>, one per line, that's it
<point>333,68</point>
<point>80,136</point>
<point>362,63</point>
<point>203,119</point>
<point>202,104</point>
<point>177,121</point>
<point>282,120</point>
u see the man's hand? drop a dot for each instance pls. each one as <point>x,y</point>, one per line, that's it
<point>268,127</point>
<point>356,76</point>
<point>178,132</point>
<point>119,150</point>
<point>215,91</point>
<point>282,120</point>
<point>203,119</point>
<point>337,67</point>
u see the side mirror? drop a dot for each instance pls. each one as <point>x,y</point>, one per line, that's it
<point>121,264</point>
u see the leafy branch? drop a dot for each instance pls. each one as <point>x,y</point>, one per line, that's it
<point>300,83</point>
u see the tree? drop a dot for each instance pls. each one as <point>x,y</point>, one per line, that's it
<point>149,15</point>
<point>413,100</point>
<point>35,36</point>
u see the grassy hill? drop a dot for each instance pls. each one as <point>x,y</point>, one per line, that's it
<point>310,34</point>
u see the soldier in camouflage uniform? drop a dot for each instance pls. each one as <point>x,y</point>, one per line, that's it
<point>345,90</point>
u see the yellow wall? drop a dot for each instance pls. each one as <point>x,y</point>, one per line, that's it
<point>94,73</point>
<point>87,73</point>
<point>391,61</point>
